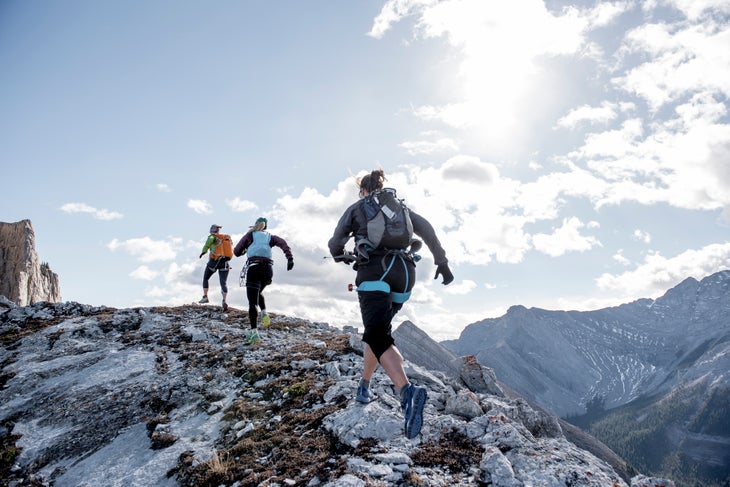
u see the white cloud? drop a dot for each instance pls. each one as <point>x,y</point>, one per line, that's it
<point>641,236</point>
<point>603,114</point>
<point>429,146</point>
<point>619,257</point>
<point>239,205</point>
<point>497,87</point>
<point>464,287</point>
<point>145,249</point>
<point>469,170</point>
<point>200,206</point>
<point>143,273</point>
<point>696,9</point>
<point>565,239</point>
<point>680,161</point>
<point>658,273</point>
<point>392,12</point>
<point>300,218</point>
<point>682,59</point>
<point>96,213</point>
<point>163,187</point>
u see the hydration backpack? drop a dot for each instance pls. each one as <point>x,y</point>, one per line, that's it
<point>223,247</point>
<point>260,245</point>
<point>389,222</point>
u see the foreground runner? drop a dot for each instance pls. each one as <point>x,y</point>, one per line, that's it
<point>386,272</point>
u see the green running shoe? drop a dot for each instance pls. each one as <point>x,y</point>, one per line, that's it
<point>252,338</point>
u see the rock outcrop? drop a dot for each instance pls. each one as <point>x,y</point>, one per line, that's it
<point>172,396</point>
<point>24,279</point>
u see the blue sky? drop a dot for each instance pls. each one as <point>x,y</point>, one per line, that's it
<point>570,156</point>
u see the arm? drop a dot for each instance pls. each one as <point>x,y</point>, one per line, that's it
<point>345,228</point>
<point>242,245</point>
<point>281,243</point>
<point>424,229</point>
<point>208,244</point>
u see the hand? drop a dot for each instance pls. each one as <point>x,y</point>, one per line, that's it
<point>445,272</point>
<point>201,255</point>
<point>289,264</point>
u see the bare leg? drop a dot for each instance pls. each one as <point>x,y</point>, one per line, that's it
<point>392,362</point>
<point>370,363</point>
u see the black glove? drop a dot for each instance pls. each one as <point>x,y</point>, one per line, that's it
<point>289,264</point>
<point>201,255</point>
<point>445,272</point>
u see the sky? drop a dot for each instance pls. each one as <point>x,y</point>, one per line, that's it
<point>570,155</point>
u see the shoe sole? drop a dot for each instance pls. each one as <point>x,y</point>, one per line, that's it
<point>415,420</point>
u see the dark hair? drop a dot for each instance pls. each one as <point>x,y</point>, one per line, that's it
<point>374,180</point>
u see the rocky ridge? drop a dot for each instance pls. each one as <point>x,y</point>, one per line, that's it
<point>172,396</point>
<point>24,279</point>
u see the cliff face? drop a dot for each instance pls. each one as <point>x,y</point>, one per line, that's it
<point>24,279</point>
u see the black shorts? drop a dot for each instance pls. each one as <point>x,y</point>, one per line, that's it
<point>259,274</point>
<point>377,307</point>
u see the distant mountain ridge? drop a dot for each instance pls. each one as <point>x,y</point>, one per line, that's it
<point>655,374</point>
<point>564,359</point>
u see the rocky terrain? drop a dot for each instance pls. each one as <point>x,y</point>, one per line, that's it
<point>171,396</point>
<point>24,279</point>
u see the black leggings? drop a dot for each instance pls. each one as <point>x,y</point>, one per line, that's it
<point>222,267</point>
<point>258,276</point>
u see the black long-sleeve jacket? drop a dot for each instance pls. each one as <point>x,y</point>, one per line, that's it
<point>353,223</point>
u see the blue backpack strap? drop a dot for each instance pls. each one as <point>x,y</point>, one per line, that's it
<point>367,286</point>
<point>383,286</point>
<point>400,298</point>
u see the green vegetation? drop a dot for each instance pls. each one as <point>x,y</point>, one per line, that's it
<point>297,389</point>
<point>8,454</point>
<point>641,433</point>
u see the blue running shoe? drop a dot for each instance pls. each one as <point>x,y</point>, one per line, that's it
<point>412,405</point>
<point>364,395</point>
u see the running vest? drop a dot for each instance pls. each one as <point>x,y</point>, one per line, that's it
<point>260,246</point>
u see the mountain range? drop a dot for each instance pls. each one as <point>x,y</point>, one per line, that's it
<point>661,366</point>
